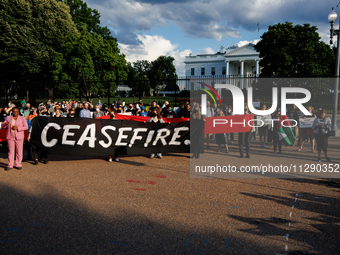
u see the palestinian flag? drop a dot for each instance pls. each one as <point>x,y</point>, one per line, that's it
<point>286,134</point>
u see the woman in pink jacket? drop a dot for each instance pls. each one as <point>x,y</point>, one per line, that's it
<point>16,126</point>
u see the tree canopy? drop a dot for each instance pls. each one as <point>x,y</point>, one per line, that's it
<point>30,31</point>
<point>288,50</point>
<point>61,47</point>
<point>90,60</point>
<point>82,14</point>
<point>54,40</point>
<point>159,74</point>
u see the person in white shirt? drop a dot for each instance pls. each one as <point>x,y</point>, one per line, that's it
<point>165,104</point>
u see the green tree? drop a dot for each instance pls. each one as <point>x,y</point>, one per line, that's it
<point>142,72</point>
<point>82,14</point>
<point>163,74</point>
<point>90,60</point>
<point>31,31</point>
<point>288,50</point>
<point>93,59</point>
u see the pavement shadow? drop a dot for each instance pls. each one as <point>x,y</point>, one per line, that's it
<point>52,224</point>
<point>322,237</point>
<point>330,183</point>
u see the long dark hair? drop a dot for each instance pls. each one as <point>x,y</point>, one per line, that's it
<point>157,111</point>
<point>321,112</point>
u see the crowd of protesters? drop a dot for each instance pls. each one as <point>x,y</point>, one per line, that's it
<point>319,131</point>
<point>86,109</point>
<point>268,133</point>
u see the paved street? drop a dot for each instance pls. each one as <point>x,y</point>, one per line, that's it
<point>76,205</point>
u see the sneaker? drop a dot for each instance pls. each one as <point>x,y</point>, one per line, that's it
<point>263,146</point>
<point>328,159</point>
<point>280,152</point>
<point>36,162</point>
<point>152,156</point>
<point>248,156</point>
<point>241,156</point>
<point>319,159</point>
<point>117,159</point>
<point>8,168</point>
<point>274,151</point>
<point>110,159</point>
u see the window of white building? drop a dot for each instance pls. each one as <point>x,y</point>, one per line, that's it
<point>192,71</point>
<point>223,70</point>
<point>202,71</point>
<point>213,71</point>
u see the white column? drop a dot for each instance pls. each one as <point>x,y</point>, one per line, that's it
<point>227,68</point>
<point>241,74</point>
<point>257,68</point>
<point>242,68</point>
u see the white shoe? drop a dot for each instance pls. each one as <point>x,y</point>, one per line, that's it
<point>117,159</point>
<point>110,159</point>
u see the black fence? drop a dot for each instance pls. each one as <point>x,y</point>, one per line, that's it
<point>134,90</point>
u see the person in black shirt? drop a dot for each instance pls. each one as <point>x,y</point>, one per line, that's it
<point>185,113</point>
<point>106,109</point>
<point>153,106</point>
<point>2,114</point>
<point>72,113</point>
<point>131,109</point>
<point>167,112</point>
<point>120,109</point>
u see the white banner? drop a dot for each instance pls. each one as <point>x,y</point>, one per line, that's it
<point>266,120</point>
<point>306,123</point>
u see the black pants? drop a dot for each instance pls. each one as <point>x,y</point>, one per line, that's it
<point>321,142</point>
<point>35,153</point>
<point>270,136</point>
<point>231,136</point>
<point>4,146</point>
<point>244,138</point>
<point>276,141</point>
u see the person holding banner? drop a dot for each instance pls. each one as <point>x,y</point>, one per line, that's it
<point>35,151</point>
<point>16,125</point>
<point>113,117</point>
<point>156,118</point>
<point>322,127</point>
<point>308,132</point>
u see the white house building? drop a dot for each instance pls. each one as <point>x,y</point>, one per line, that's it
<point>233,62</point>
